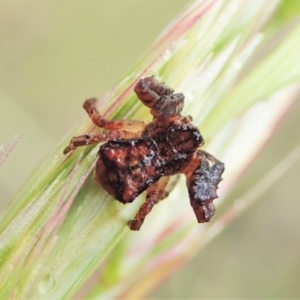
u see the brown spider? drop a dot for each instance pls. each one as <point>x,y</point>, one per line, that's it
<point>138,156</point>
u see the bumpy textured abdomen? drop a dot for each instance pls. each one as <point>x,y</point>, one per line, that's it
<point>126,168</point>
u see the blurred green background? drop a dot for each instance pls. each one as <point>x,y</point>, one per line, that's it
<point>56,54</point>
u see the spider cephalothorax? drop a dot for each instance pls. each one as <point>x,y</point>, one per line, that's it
<point>159,97</point>
<point>141,157</point>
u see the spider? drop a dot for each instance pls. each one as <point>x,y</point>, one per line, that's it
<point>140,157</point>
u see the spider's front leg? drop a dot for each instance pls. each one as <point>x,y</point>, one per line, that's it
<point>88,139</point>
<point>203,176</point>
<point>100,121</point>
<point>151,200</point>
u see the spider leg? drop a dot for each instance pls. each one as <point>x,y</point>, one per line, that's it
<point>162,191</point>
<point>100,121</point>
<point>156,192</point>
<point>203,176</point>
<point>151,200</point>
<point>166,185</point>
<point>87,139</point>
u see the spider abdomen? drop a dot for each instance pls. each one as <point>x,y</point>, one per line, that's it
<point>126,168</point>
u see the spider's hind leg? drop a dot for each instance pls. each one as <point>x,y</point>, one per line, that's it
<point>156,192</point>
<point>166,185</point>
<point>151,200</point>
<point>202,185</point>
